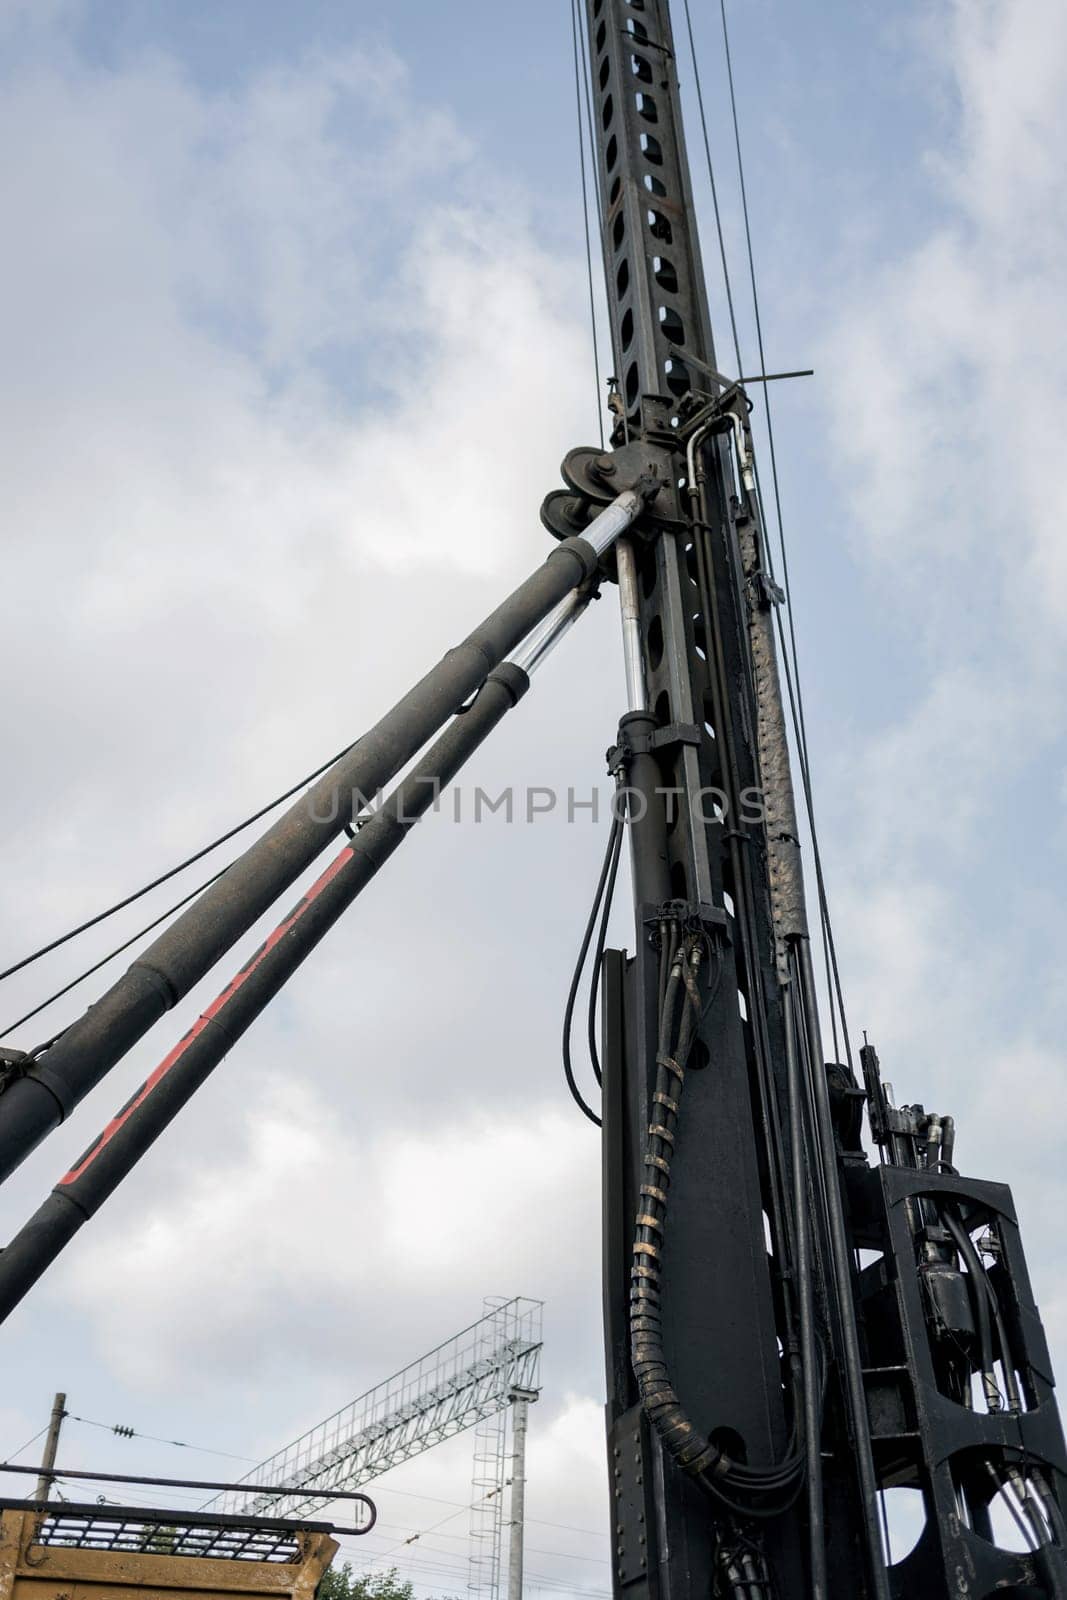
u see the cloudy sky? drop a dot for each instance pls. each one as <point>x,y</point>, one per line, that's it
<point>294,339</point>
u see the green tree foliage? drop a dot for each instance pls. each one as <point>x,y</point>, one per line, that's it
<point>341,1583</point>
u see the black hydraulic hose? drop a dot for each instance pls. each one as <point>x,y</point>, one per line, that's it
<point>79,1195</point>
<point>1011,1382</point>
<point>34,1103</point>
<point>691,1450</point>
<point>668,928</point>
<point>1050,1505</point>
<point>789,1471</point>
<point>1049,1564</point>
<point>841,1272</point>
<point>811,1387</point>
<point>758,1581</point>
<point>980,1300</point>
<point>646,820</point>
<point>740,864</point>
<point>610,856</point>
<point>598,953</point>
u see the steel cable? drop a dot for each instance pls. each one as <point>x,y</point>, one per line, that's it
<point>790,657</point>
<point>165,877</point>
<point>601,897</point>
<point>585,214</point>
<point>103,961</point>
<point>598,953</point>
<point>714,193</point>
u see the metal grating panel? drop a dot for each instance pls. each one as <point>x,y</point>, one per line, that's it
<point>128,1530</point>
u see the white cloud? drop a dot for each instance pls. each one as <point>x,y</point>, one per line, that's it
<point>279,410</point>
<point>324,1235</point>
<point>207,511</point>
<point>950,362</point>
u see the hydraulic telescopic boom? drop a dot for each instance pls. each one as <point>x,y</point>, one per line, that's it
<point>46,1089</point>
<point>569,578</point>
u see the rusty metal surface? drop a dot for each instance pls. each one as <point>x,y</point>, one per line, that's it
<point>35,1570</point>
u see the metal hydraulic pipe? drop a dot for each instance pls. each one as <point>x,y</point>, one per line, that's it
<point>841,1265</point>
<point>805,1274</point>
<point>644,791</point>
<point>543,641</point>
<point>81,1192</point>
<point>165,972</point>
<point>629,602</point>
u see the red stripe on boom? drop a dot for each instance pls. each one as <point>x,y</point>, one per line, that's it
<point>213,1010</point>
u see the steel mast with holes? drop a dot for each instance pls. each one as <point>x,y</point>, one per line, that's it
<point>763,1391</point>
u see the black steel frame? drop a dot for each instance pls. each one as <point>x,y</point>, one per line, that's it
<point>760,1258</point>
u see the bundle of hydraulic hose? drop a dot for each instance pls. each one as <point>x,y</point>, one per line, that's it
<point>746,1491</point>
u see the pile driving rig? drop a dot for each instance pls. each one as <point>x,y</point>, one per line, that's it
<point>790,1329</point>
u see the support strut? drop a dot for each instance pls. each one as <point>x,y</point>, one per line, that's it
<point>81,1192</point>
<point>37,1101</point>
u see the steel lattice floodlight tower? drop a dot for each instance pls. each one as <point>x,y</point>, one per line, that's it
<point>467,1378</point>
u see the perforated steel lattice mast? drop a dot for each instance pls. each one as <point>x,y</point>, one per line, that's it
<point>468,1378</point>
<point>722,1330</point>
<point>762,1390</point>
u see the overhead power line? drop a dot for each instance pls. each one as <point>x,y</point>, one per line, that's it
<point>579,59</point>
<point>103,961</point>
<point>164,877</point>
<point>149,927</point>
<point>123,1432</point>
<point>790,655</point>
<point>434,1499</point>
<point>461,1538</point>
<point>39,1434</point>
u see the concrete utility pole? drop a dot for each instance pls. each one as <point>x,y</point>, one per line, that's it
<point>51,1445</point>
<point>520,1399</point>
